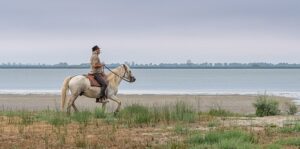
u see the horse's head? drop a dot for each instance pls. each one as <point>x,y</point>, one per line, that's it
<point>128,74</point>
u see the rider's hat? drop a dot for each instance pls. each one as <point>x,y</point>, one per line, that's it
<point>95,48</point>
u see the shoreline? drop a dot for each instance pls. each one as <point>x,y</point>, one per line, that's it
<point>235,103</point>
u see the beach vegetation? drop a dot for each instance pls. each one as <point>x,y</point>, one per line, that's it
<point>99,113</point>
<point>291,108</point>
<point>221,112</point>
<point>82,117</point>
<point>137,114</point>
<point>274,146</point>
<point>223,139</point>
<point>176,126</point>
<point>291,128</point>
<point>180,129</point>
<point>54,118</point>
<point>266,106</point>
<point>289,141</point>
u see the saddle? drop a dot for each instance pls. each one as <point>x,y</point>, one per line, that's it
<point>93,81</point>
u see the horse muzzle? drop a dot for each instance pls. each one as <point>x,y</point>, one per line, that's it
<point>132,79</point>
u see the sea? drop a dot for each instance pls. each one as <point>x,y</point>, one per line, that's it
<point>279,82</point>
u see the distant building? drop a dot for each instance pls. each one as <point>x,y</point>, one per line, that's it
<point>189,62</point>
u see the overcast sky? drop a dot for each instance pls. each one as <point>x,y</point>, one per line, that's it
<point>144,31</point>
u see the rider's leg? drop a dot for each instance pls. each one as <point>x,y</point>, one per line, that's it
<point>102,83</point>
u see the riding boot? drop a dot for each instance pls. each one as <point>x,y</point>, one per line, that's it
<point>103,96</point>
<point>103,85</point>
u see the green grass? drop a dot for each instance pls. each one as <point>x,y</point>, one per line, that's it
<point>137,114</point>
<point>182,112</point>
<point>274,146</point>
<point>181,115</point>
<point>291,128</point>
<point>290,142</point>
<point>55,118</point>
<point>221,112</point>
<point>130,115</point>
<point>214,123</point>
<point>99,113</point>
<point>223,139</point>
<point>25,116</point>
<point>181,130</point>
<point>82,117</point>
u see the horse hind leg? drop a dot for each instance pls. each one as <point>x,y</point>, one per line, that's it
<point>71,103</point>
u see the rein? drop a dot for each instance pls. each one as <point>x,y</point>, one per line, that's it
<point>123,78</point>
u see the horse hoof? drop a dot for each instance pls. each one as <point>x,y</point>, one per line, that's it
<point>115,113</point>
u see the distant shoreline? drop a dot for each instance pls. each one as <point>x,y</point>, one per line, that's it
<point>70,67</point>
<point>187,65</point>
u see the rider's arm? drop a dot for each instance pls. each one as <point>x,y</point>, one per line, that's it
<point>96,62</point>
<point>98,65</point>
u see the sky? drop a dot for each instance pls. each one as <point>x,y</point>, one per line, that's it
<point>152,31</point>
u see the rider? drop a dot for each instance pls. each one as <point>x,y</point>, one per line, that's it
<point>98,72</point>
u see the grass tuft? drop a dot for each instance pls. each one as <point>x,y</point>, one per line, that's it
<point>220,112</point>
<point>224,139</point>
<point>99,113</point>
<point>290,141</point>
<point>55,118</point>
<point>82,117</point>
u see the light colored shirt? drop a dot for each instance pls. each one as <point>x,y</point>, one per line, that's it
<point>95,60</point>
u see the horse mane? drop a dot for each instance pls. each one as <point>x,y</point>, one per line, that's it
<point>112,78</point>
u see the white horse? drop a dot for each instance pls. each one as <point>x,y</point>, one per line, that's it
<point>80,85</point>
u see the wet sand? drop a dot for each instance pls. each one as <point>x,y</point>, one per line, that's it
<point>235,103</point>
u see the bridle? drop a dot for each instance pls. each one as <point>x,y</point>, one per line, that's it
<point>122,77</point>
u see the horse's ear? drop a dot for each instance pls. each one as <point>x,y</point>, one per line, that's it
<point>125,67</point>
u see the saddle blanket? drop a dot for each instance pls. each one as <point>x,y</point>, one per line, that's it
<point>93,81</point>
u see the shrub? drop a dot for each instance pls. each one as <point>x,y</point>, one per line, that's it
<point>266,106</point>
<point>291,108</point>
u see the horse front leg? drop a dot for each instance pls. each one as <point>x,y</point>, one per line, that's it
<point>75,108</point>
<point>104,106</point>
<point>116,99</point>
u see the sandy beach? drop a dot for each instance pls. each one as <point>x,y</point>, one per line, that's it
<point>234,103</point>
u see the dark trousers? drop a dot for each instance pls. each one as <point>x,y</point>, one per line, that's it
<point>102,83</point>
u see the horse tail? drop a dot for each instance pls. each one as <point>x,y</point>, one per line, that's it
<point>64,90</point>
